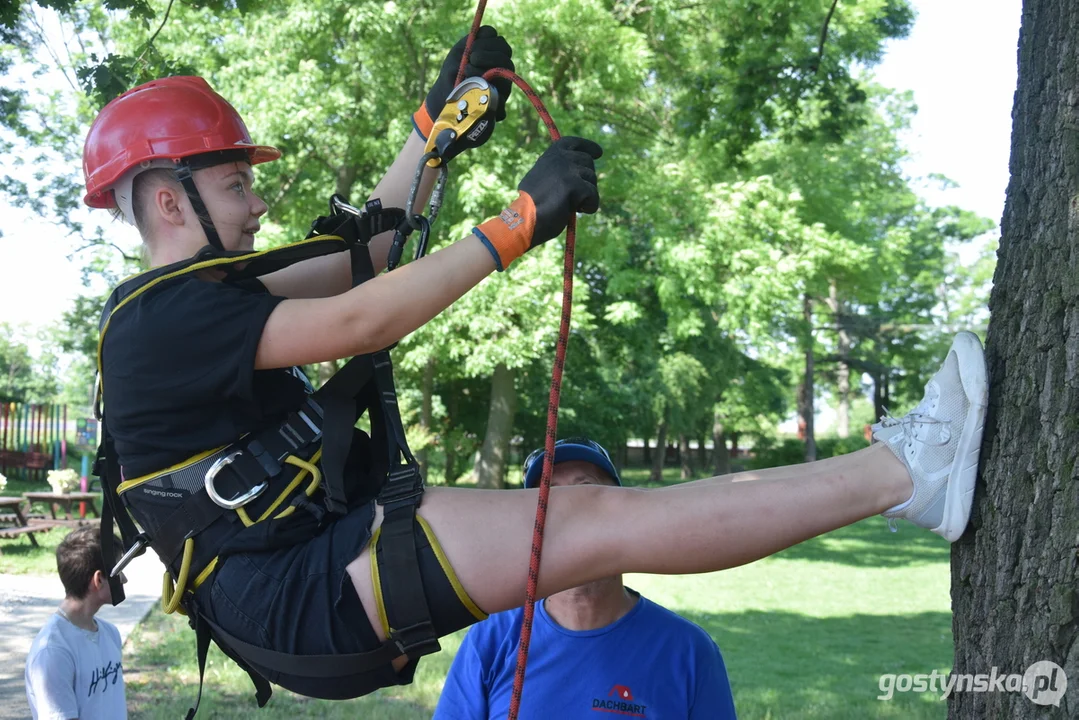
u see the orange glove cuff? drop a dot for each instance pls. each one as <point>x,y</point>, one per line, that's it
<point>509,235</point>
<point>422,122</point>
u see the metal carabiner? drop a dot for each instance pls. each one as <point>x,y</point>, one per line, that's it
<point>436,195</point>
<point>141,543</point>
<point>400,237</point>
<point>338,202</point>
<point>239,500</point>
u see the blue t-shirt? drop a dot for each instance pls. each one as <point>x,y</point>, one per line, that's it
<point>649,664</point>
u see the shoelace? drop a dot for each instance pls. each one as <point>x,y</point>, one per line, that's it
<point>908,422</point>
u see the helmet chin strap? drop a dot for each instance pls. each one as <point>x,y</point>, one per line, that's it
<point>183,174</point>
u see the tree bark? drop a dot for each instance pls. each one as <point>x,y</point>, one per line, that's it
<point>661,452</point>
<point>721,457</point>
<point>842,422</point>
<point>622,455</point>
<point>423,456</point>
<point>449,447</point>
<point>647,452</point>
<point>1015,583</point>
<point>702,452</point>
<point>326,371</point>
<point>685,456</point>
<point>491,466</point>
<point>805,407</point>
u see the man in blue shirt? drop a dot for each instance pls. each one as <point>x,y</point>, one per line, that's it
<point>599,647</point>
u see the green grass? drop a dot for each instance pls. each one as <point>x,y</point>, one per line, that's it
<point>805,634</point>
<point>21,558</point>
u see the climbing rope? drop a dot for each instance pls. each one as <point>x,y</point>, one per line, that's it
<point>556,378</point>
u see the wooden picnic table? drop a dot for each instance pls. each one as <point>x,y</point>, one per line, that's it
<point>66,500</point>
<point>14,505</point>
<point>22,524</point>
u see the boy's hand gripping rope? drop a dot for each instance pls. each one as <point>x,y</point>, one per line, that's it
<point>556,379</point>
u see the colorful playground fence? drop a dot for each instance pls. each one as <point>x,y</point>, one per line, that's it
<point>32,436</point>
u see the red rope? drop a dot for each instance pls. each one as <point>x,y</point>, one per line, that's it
<point>552,413</point>
<point>556,379</point>
<point>477,18</point>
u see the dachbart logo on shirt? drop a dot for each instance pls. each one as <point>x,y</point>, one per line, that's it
<point>620,701</point>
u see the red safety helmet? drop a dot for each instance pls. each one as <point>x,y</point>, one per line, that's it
<point>171,118</point>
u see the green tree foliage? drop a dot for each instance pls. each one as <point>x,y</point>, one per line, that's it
<point>26,376</point>
<point>754,216</point>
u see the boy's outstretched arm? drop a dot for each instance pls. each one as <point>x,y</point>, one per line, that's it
<point>383,310</point>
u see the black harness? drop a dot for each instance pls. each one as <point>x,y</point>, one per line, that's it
<point>258,473</point>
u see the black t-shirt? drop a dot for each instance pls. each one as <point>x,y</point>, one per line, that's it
<point>179,372</point>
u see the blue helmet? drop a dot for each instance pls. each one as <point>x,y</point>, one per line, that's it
<point>574,448</point>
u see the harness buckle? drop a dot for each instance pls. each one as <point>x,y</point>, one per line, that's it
<point>416,640</point>
<point>402,485</point>
<point>241,499</point>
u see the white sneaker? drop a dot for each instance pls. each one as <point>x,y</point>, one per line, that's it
<point>939,441</point>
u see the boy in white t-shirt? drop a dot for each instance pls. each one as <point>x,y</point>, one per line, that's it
<point>74,668</point>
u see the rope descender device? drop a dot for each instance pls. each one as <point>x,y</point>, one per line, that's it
<point>466,121</point>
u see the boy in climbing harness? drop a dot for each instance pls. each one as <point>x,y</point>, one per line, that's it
<point>300,545</point>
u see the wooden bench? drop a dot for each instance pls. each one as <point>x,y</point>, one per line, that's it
<point>35,526</point>
<point>14,531</point>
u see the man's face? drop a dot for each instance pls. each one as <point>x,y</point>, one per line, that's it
<point>579,472</point>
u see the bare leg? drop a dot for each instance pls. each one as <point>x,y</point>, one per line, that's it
<point>596,531</point>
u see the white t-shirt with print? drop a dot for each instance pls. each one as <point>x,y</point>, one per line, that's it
<point>75,673</point>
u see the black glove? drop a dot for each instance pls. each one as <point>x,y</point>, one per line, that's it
<point>561,183</point>
<point>490,50</point>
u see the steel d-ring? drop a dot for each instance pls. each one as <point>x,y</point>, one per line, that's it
<point>239,500</point>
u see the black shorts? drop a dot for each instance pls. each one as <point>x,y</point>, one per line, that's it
<point>300,600</point>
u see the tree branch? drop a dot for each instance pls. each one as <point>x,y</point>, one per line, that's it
<point>823,37</point>
<point>98,243</point>
<point>150,42</point>
<point>43,42</point>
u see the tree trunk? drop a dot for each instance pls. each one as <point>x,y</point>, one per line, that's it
<point>622,455</point>
<point>326,371</point>
<point>734,435</point>
<point>491,467</point>
<point>1015,573</point>
<point>647,452</point>
<point>423,456</point>
<point>451,460</point>
<point>685,456</point>
<point>842,422</point>
<point>344,179</point>
<point>807,382</point>
<point>702,452</point>
<point>449,447</point>
<point>806,394</point>
<point>661,452</point>
<point>721,458</point>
